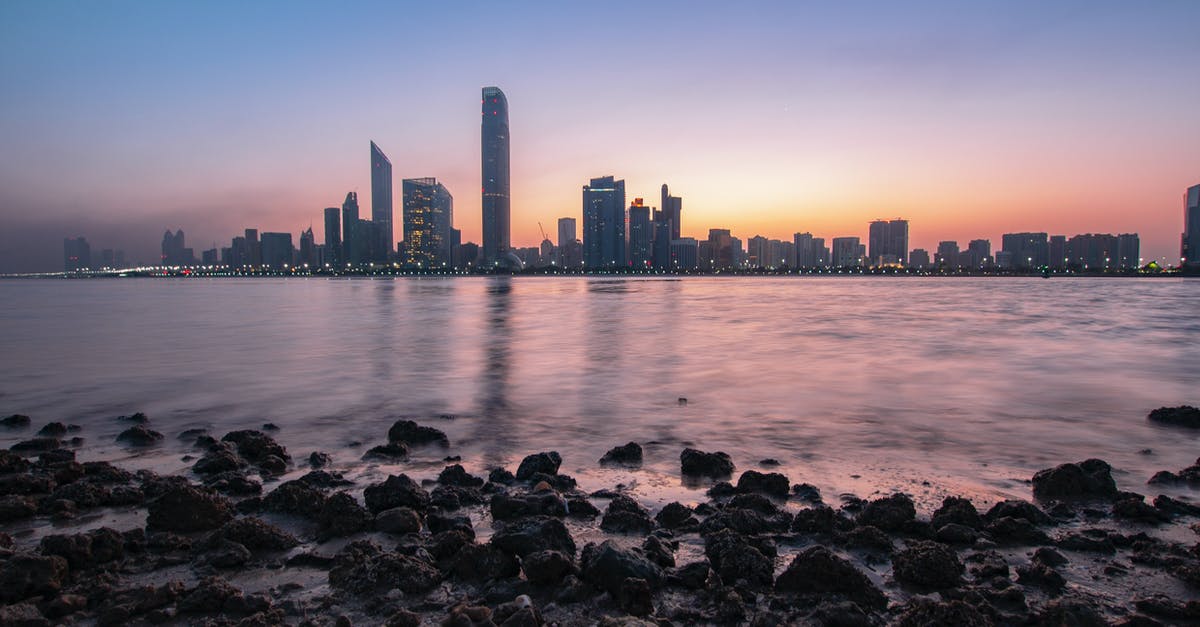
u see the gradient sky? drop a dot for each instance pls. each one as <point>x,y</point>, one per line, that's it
<point>121,119</point>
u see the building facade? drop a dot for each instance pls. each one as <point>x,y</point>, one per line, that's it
<point>494,141</point>
<point>604,223</point>
<point>428,222</point>
<point>381,204</point>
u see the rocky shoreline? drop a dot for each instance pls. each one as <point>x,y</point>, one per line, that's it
<point>231,543</point>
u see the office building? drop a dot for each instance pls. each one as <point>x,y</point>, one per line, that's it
<point>308,249</point>
<point>1056,252</point>
<point>947,255</point>
<point>684,254</point>
<point>919,259</point>
<point>276,250</point>
<point>757,255</point>
<point>1025,250</point>
<point>604,223</point>
<point>428,222</point>
<point>174,251</point>
<point>77,254</point>
<point>381,205</point>
<point>1189,250</point>
<point>806,253</point>
<point>350,221</point>
<point>822,252</point>
<point>660,255</point>
<point>978,254</point>
<point>848,252</point>
<point>495,173</point>
<point>671,210</point>
<point>333,237</point>
<point>253,248</point>
<point>640,235</point>
<point>570,252</point>
<point>888,241</point>
<point>1129,250</point>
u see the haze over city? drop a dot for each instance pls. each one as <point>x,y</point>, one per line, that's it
<point>969,121</point>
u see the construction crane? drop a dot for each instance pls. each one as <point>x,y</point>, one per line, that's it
<point>544,237</point>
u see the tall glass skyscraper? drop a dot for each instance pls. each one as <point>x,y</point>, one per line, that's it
<point>333,237</point>
<point>1190,250</point>
<point>496,208</point>
<point>428,222</point>
<point>381,202</point>
<point>350,253</point>
<point>604,223</point>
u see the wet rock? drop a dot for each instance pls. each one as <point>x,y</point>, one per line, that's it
<point>318,460</point>
<point>25,484</point>
<point>439,521</point>
<point>501,476</point>
<point>1017,531</point>
<point>22,615</point>
<point>533,534</point>
<point>15,421</point>
<point>325,479</point>
<point>747,521</point>
<point>957,510</point>
<point>15,507</point>
<point>608,565</point>
<point>183,508</point>
<point>36,445</point>
<point>413,434</point>
<point>820,519</point>
<point>297,498</point>
<point>104,472</point>
<point>456,475</point>
<point>1175,507</point>
<point>234,483</point>
<point>927,564</point>
<point>11,462</point>
<point>627,455</point>
<point>255,534</point>
<point>363,568</point>
<point>507,507</point>
<point>483,562</point>
<point>735,559</point>
<point>468,615</point>
<point>1049,557</point>
<point>63,605</point>
<point>139,435</point>
<point>817,570</point>
<point>1135,508</point>
<point>868,538</point>
<point>954,533</point>
<point>256,447</point>
<point>920,611</point>
<point>451,497</point>
<point>1041,576</point>
<point>1171,609</point>
<point>1182,416</point>
<point>272,465</point>
<point>217,460</point>
<point>1088,543</point>
<point>227,554</point>
<point>53,430</point>
<point>889,513</point>
<point>547,567</point>
<point>84,494</point>
<point>807,492</point>
<point>398,521</point>
<point>396,491</point>
<point>546,463</point>
<point>660,551</point>
<point>1091,478</point>
<point>138,418</point>
<point>57,458</point>
<point>341,516</point>
<point>24,575</point>
<point>693,576</point>
<point>772,483</point>
<point>581,508</point>
<point>390,452</point>
<point>676,515</point>
<point>520,612</point>
<point>211,596</point>
<point>701,464</point>
<point>562,483</point>
<point>721,490</point>
<point>625,515</point>
<point>987,565</point>
<point>635,597</point>
<point>1015,508</point>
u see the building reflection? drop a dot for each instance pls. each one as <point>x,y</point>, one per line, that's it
<point>497,421</point>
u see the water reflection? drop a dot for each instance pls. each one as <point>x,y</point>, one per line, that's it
<point>496,424</point>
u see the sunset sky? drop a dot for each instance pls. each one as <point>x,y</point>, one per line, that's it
<point>119,120</point>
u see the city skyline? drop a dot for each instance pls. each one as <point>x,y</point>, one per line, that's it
<point>1079,125</point>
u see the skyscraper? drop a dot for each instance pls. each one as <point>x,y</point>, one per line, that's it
<point>848,252</point>
<point>381,203</point>
<point>276,250</point>
<point>428,220</point>
<point>604,223</point>
<point>494,142</point>
<point>947,255</point>
<point>333,237</point>
<point>77,254</point>
<point>671,209</point>
<point>806,253</point>
<point>308,249</point>
<point>1189,251</point>
<point>640,235</point>
<point>569,254</point>
<point>349,227</point>
<point>1026,250</point>
<point>888,241</point>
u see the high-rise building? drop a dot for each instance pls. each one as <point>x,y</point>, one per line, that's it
<point>308,249</point>
<point>604,223</point>
<point>671,208</point>
<point>848,252</point>
<point>821,251</point>
<point>276,250</point>
<point>428,220</point>
<point>806,254</point>
<point>333,237</point>
<point>660,255</point>
<point>757,255</point>
<point>350,220</point>
<point>381,204</point>
<point>1189,250</point>
<point>947,255</point>
<point>1129,250</point>
<point>1094,251</point>
<point>685,253</point>
<point>494,142</point>
<point>640,235</point>
<point>978,254</point>
<point>253,249</point>
<point>570,253</point>
<point>1026,250</point>
<point>888,241</point>
<point>174,250</point>
<point>1056,252</point>
<point>918,258</point>
<point>77,254</point>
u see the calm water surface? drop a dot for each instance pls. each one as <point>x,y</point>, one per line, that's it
<point>853,384</point>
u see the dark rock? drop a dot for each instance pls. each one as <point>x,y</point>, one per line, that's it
<point>1182,416</point>
<point>533,534</point>
<point>297,498</point>
<point>807,492</point>
<point>15,507</point>
<point>562,483</point>
<point>772,483</point>
<point>957,510</point>
<point>342,516</point>
<point>83,493</point>
<point>506,507</point>
<point>15,421</point>
<point>11,462</point>
<point>624,515</point>
<point>1018,509</point>
<point>817,570</point>
<point>483,562</point>
<point>954,533</point>
<point>659,551</point>
<point>318,460</point>
<point>889,513</point>
<point>392,451</point>
<point>770,461</point>
<point>36,445</point>
<point>1175,507</point>
<point>735,559</point>
<point>501,476</point>
<point>721,490</point>
<point>444,545</point>
<point>868,538</point>
<point>136,418</point>
<point>987,565</point>
<point>24,575</point>
<point>22,615</point>
<point>675,515</point>
<point>234,483</point>
<point>256,446</point>
<point>398,520</point>
<point>747,521</point>
<point>1168,608</point>
<point>1042,576</point>
<point>699,463</point>
<point>438,522</point>
<point>227,554</point>
<point>927,565</point>
<point>413,434</point>
<point>1136,509</point>
<point>1019,531</point>
<point>819,519</point>
<point>546,463</point>
<point>628,455</point>
<point>184,509</point>
<point>693,576</point>
<point>547,567</point>
<point>53,430</point>
<point>104,472</point>
<point>635,597</point>
<point>25,484</point>
<point>56,458</point>
<point>581,508</point>
<point>1049,557</point>
<point>456,475</point>
<point>325,479</point>
<point>212,596</point>
<point>272,465</point>
<point>255,534</point>
<point>365,569</point>
<point>919,612</point>
<point>216,460</point>
<point>1076,541</point>
<point>1091,478</point>
<point>270,426</point>
<point>608,565</point>
<point>139,435</point>
<point>396,491</point>
<point>63,605</point>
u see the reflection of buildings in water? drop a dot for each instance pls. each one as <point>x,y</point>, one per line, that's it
<point>496,419</point>
<point>604,341</point>
<point>381,326</point>
<point>426,350</point>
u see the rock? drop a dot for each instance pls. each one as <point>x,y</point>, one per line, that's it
<point>747,521</point>
<point>456,475</point>
<point>807,492</point>
<point>608,565</point>
<point>675,515</point>
<point>546,463</point>
<point>211,596</point>
<point>15,421</point>
<point>817,570</point>
<point>581,508</point>
<point>635,597</point>
<point>547,567</point>
<point>954,533</point>
<point>15,507</point>
<point>889,513</point>
<point>256,446</point>
<point>22,615</point>
<point>364,569</point>
<point>501,476</point>
<point>1042,576</point>
<point>342,516</point>
<point>1091,478</point>
<point>227,554</point>
<point>297,498</point>
<point>392,451</point>
<point>957,510</point>
<point>1136,509</point>
<point>819,519</point>
<point>628,455</point>
<point>735,559</point>
<point>1018,509</point>
<point>701,464</point>
<point>85,494</point>
<point>868,538</point>
<point>398,521</point>
<point>483,562</point>
<point>318,460</point>
<point>439,521</point>
<point>1019,531</point>
<point>533,534</point>
<point>24,575</point>
<point>1182,416</point>
<point>11,462</point>
<point>53,430</point>
<point>184,509</point>
<point>325,479</point>
<point>272,465</point>
<point>920,611</point>
<point>63,605</point>
<point>1088,543</point>
<point>216,460</point>
<point>772,483</point>
<point>1168,608</point>
<point>506,507</point>
<point>255,534</point>
<point>659,551</point>
<point>412,434</point>
<point>624,515</point>
<point>136,418</point>
<point>403,618</point>
<point>104,472</point>
<point>721,490</point>
<point>234,483</point>
<point>1175,507</point>
<point>36,445</point>
<point>987,565</point>
<point>25,484</point>
<point>927,564</point>
<point>139,435</point>
<point>693,576</point>
<point>519,612</point>
<point>396,491</point>
<point>1049,557</point>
